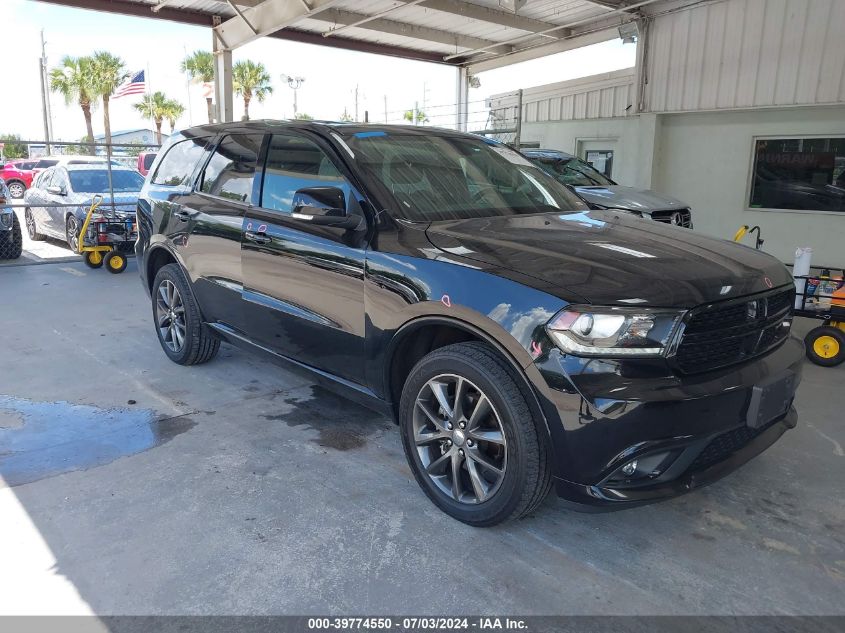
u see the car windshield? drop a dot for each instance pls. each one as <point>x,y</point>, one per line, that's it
<point>573,171</point>
<point>97,180</point>
<point>435,177</point>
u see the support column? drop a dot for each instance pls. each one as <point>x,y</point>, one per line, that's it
<point>462,99</point>
<point>223,92</point>
<point>649,135</point>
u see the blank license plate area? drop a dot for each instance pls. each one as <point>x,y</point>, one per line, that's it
<point>770,400</point>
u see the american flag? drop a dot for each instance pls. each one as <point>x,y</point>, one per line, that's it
<point>133,86</point>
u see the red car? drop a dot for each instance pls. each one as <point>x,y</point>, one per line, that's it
<point>18,180</point>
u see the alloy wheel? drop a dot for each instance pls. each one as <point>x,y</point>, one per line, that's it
<point>73,233</point>
<point>16,190</point>
<point>170,315</point>
<point>460,439</point>
<point>31,228</point>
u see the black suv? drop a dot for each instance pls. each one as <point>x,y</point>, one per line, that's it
<point>518,338</point>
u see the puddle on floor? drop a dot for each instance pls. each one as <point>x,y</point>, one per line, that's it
<point>43,439</point>
<point>341,424</point>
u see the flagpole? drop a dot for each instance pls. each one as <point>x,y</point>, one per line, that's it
<point>149,86</point>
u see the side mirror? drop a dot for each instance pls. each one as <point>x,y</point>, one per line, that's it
<point>56,191</point>
<point>324,206</point>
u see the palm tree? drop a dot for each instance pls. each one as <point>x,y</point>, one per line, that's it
<point>155,107</point>
<point>174,110</point>
<point>251,79</point>
<point>72,78</point>
<point>421,116</point>
<point>199,66</point>
<point>108,73</point>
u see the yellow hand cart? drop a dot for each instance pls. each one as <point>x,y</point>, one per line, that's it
<point>102,237</point>
<point>821,297</point>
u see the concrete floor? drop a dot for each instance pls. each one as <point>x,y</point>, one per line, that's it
<point>235,487</point>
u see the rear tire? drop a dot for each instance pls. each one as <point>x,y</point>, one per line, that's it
<point>181,332</point>
<point>11,244</point>
<point>516,446</point>
<point>825,346</point>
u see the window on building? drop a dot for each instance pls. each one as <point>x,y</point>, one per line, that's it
<point>231,170</point>
<point>806,174</point>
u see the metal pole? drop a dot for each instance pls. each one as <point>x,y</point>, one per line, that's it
<point>416,112</point>
<point>518,126</point>
<point>42,73</point>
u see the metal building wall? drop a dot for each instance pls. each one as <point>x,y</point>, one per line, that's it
<point>747,53</point>
<point>599,96</point>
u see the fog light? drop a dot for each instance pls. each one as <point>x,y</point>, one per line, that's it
<point>630,468</point>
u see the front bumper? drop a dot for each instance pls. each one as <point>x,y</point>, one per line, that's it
<point>603,414</point>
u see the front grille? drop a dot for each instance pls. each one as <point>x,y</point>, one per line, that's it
<point>725,334</point>
<point>678,217</point>
<point>723,446</point>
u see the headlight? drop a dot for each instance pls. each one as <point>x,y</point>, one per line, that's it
<point>6,218</point>
<point>594,331</point>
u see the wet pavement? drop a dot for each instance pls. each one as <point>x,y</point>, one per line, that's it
<point>237,487</point>
<point>44,439</point>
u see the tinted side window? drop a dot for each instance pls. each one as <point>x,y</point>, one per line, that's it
<point>295,163</point>
<point>178,164</point>
<point>230,171</point>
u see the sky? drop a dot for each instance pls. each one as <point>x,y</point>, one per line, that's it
<point>331,75</point>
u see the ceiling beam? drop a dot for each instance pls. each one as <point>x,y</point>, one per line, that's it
<point>391,27</point>
<point>591,23</point>
<point>266,18</point>
<point>522,55</point>
<point>491,16</point>
<point>205,19</point>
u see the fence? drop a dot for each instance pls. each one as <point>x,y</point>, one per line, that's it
<point>112,154</point>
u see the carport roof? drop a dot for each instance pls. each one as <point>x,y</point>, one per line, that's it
<point>447,31</point>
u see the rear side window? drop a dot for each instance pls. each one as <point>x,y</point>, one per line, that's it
<point>178,164</point>
<point>148,160</point>
<point>230,171</point>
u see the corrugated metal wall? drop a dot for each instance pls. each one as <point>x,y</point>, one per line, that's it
<point>599,96</point>
<point>747,53</point>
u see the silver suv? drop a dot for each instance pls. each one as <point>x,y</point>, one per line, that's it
<point>600,192</point>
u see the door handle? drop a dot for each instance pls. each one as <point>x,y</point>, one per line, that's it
<point>257,238</point>
<point>183,215</point>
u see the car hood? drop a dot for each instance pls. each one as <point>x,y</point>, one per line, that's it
<point>608,258</point>
<point>619,197</point>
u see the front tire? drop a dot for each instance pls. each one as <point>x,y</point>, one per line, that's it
<point>183,336</point>
<point>115,262</point>
<point>72,233</point>
<point>470,437</point>
<point>31,226</point>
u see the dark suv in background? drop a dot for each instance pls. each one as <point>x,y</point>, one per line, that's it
<point>519,339</point>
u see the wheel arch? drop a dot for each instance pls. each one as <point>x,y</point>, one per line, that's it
<point>422,335</point>
<point>157,257</point>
